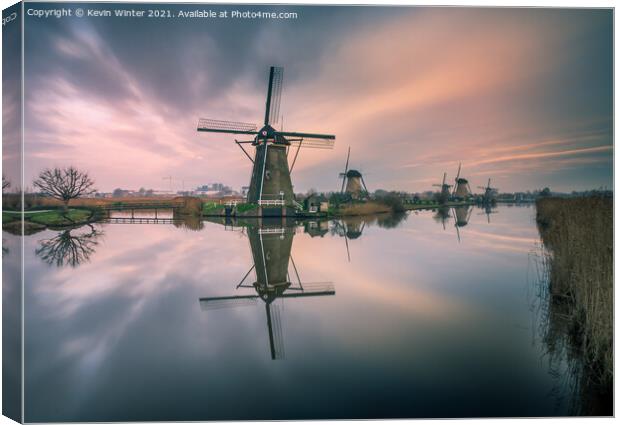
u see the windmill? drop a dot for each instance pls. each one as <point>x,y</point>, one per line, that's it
<point>352,181</point>
<point>444,195</point>
<point>270,182</point>
<point>271,252</point>
<point>461,188</point>
<point>489,193</point>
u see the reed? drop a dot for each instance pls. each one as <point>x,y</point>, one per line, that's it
<point>577,235</point>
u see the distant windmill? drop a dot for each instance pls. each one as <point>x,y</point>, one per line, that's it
<point>489,193</point>
<point>270,183</point>
<point>444,195</point>
<point>271,251</point>
<point>461,188</point>
<point>352,181</point>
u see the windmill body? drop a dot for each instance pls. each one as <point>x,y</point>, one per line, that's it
<point>353,182</point>
<point>270,182</point>
<point>490,194</point>
<point>444,194</point>
<point>461,187</point>
<point>271,173</point>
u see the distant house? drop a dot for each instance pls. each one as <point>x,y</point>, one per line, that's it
<point>316,203</point>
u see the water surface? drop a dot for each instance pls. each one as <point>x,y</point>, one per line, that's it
<point>425,315</point>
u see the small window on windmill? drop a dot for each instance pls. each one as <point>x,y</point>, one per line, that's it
<point>268,175</point>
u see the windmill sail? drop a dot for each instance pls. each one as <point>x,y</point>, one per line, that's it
<point>346,168</point>
<point>274,326</point>
<point>219,126</point>
<point>312,142</point>
<point>274,95</point>
<point>216,303</point>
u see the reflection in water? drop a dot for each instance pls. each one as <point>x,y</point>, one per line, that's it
<point>271,252</point>
<point>442,216</point>
<point>488,210</point>
<point>460,215</point>
<point>69,247</point>
<point>422,326</point>
<point>351,228</point>
<point>189,222</point>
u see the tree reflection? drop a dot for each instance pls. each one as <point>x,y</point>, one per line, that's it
<point>69,248</point>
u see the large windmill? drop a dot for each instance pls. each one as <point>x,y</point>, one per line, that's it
<point>271,251</point>
<point>461,187</point>
<point>489,193</point>
<point>352,181</point>
<point>444,195</point>
<point>270,183</point>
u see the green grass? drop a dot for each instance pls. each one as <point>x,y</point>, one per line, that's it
<point>246,207</point>
<point>57,218</point>
<point>9,217</point>
<point>211,207</point>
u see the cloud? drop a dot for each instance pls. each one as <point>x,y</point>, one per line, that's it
<point>413,92</point>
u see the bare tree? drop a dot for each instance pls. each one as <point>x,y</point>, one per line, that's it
<point>5,183</point>
<point>64,184</point>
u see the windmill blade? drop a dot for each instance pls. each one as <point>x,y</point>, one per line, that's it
<point>274,326</point>
<point>219,126</point>
<point>456,179</point>
<point>326,291</point>
<point>274,95</point>
<point>312,287</point>
<point>344,179</point>
<point>306,135</point>
<point>458,234</point>
<point>217,303</point>
<point>312,142</point>
<point>346,241</point>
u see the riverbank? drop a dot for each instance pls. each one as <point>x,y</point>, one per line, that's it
<point>54,219</point>
<point>578,237</point>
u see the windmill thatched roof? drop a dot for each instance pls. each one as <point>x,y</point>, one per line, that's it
<point>353,173</point>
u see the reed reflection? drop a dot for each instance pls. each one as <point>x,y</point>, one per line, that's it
<point>70,247</point>
<point>275,277</point>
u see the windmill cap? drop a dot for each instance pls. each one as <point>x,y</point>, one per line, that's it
<point>353,173</point>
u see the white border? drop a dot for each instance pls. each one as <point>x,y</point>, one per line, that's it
<point>479,3</point>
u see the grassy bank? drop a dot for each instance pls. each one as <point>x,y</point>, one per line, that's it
<point>578,236</point>
<point>50,218</point>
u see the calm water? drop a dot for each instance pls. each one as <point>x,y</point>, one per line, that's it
<point>387,317</point>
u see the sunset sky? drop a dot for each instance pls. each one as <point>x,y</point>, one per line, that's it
<point>523,96</point>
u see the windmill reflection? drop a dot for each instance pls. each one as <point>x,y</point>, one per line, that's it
<point>350,228</point>
<point>488,210</point>
<point>442,216</point>
<point>461,215</point>
<point>271,252</point>
<point>70,247</point>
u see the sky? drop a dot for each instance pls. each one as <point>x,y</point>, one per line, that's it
<point>521,96</point>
